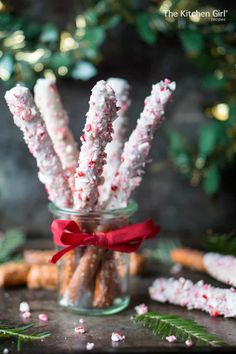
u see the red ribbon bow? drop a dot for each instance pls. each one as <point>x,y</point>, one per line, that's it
<point>126,239</point>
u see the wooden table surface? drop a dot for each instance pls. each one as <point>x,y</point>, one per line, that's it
<point>61,323</point>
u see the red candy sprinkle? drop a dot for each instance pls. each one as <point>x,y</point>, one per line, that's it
<point>215,314</point>
<point>114,188</point>
<point>88,128</point>
<point>91,164</point>
<point>83,138</point>
<point>204,296</point>
<point>81,174</point>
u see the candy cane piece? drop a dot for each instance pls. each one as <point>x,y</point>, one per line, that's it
<point>205,297</point>
<point>97,134</point>
<point>222,268</point>
<point>115,147</point>
<point>27,117</point>
<point>137,148</point>
<point>56,119</point>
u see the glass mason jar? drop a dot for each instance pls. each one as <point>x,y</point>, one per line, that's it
<point>94,280</point>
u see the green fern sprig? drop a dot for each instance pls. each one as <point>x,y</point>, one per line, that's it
<point>19,333</point>
<point>182,328</point>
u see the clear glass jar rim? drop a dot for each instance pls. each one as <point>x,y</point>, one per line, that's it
<point>131,208</point>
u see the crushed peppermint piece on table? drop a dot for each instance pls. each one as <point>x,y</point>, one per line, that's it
<point>116,337</point>
<point>89,346</point>
<point>80,329</point>
<point>26,314</point>
<point>188,343</point>
<point>81,320</point>
<point>176,268</point>
<point>24,307</point>
<point>171,339</point>
<point>141,309</point>
<point>43,317</point>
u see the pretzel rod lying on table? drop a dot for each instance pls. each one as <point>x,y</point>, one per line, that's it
<point>220,267</point>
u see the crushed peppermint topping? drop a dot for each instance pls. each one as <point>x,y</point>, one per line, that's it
<point>171,339</point>
<point>51,173</point>
<point>136,149</point>
<point>141,309</point>
<point>24,307</point>
<point>56,119</point>
<point>26,314</point>
<point>43,317</point>
<point>222,268</point>
<point>205,297</point>
<point>115,147</point>
<point>117,337</point>
<point>80,329</point>
<point>176,268</point>
<point>102,112</point>
<point>188,343</point>
<point>89,346</point>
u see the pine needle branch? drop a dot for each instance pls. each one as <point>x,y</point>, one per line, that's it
<point>183,329</point>
<point>19,333</point>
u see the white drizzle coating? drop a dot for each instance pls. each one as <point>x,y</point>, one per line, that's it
<point>97,133</point>
<point>205,297</point>
<point>56,119</point>
<point>137,148</point>
<point>222,268</point>
<point>115,147</point>
<point>27,117</point>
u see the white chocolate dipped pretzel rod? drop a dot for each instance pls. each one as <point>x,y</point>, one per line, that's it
<point>27,117</point>
<point>56,119</point>
<point>200,296</point>
<point>136,149</point>
<point>97,134</point>
<point>115,147</point>
<point>220,267</point>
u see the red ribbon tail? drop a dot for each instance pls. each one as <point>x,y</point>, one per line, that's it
<point>60,253</point>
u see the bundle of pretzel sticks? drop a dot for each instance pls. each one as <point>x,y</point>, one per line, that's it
<point>102,175</point>
<point>35,272</point>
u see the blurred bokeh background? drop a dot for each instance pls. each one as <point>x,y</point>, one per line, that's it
<point>190,184</point>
